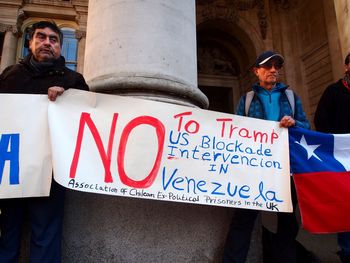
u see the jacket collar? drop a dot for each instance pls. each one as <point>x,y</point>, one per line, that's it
<point>278,87</point>
<point>57,64</point>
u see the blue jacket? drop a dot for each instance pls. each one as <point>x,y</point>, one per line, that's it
<point>256,109</point>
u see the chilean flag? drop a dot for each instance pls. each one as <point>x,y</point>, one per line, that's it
<point>320,164</point>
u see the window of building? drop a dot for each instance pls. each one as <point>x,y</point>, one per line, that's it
<point>25,49</point>
<point>69,47</point>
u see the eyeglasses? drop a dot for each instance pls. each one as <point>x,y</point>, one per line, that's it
<point>269,64</point>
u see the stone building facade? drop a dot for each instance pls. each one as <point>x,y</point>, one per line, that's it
<point>223,37</point>
<point>312,35</point>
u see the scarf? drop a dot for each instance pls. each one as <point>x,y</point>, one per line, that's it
<point>40,66</point>
<point>346,78</point>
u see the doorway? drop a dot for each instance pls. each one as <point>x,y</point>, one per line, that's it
<point>220,98</point>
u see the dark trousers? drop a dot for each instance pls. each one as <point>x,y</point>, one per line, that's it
<point>239,236</point>
<point>45,217</point>
<point>344,244</point>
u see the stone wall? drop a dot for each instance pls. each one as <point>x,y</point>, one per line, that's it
<point>314,53</point>
<point>342,8</point>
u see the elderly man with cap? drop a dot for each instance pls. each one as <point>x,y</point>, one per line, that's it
<point>269,100</point>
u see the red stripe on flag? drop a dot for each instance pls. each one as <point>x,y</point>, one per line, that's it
<point>324,201</point>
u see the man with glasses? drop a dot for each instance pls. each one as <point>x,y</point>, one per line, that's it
<point>43,71</point>
<point>269,101</point>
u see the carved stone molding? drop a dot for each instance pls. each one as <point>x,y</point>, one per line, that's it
<point>8,28</point>
<point>229,10</point>
<point>49,2</point>
<point>21,16</point>
<point>211,60</point>
<point>79,34</point>
<point>262,17</point>
<point>211,12</point>
<point>285,4</point>
<point>224,9</point>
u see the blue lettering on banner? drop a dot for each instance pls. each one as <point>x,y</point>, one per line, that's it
<point>224,158</point>
<point>267,195</point>
<point>222,154</point>
<point>9,151</point>
<point>173,181</point>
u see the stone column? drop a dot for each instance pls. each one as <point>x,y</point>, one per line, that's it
<point>81,36</point>
<point>143,48</point>
<point>342,9</point>
<point>8,56</point>
<point>334,34</point>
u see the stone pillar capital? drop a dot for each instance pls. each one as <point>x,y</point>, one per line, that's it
<point>8,28</point>
<point>8,56</point>
<point>79,34</point>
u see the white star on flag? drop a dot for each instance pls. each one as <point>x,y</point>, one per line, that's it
<point>310,149</point>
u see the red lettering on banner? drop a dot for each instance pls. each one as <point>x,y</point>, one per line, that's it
<point>196,126</point>
<point>160,131</point>
<point>85,119</point>
<point>224,120</point>
<point>181,117</point>
<point>274,136</point>
<point>188,124</point>
<point>228,129</point>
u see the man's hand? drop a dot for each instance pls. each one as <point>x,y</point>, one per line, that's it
<point>287,121</point>
<point>53,92</point>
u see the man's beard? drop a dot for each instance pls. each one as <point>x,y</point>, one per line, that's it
<point>347,77</point>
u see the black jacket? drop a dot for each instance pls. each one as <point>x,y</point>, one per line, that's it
<point>333,110</point>
<point>23,78</point>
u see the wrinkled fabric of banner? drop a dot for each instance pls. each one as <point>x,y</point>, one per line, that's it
<point>137,148</point>
<point>25,152</point>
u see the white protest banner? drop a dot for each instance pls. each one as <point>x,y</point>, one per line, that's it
<point>145,149</point>
<point>25,152</point>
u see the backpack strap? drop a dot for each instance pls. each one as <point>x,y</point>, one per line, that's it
<point>248,100</point>
<point>291,99</point>
<point>250,95</point>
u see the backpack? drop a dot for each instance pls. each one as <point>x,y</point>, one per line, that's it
<point>250,96</point>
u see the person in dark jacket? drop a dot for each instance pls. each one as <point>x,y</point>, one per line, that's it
<point>270,102</point>
<point>43,71</point>
<point>333,116</point>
